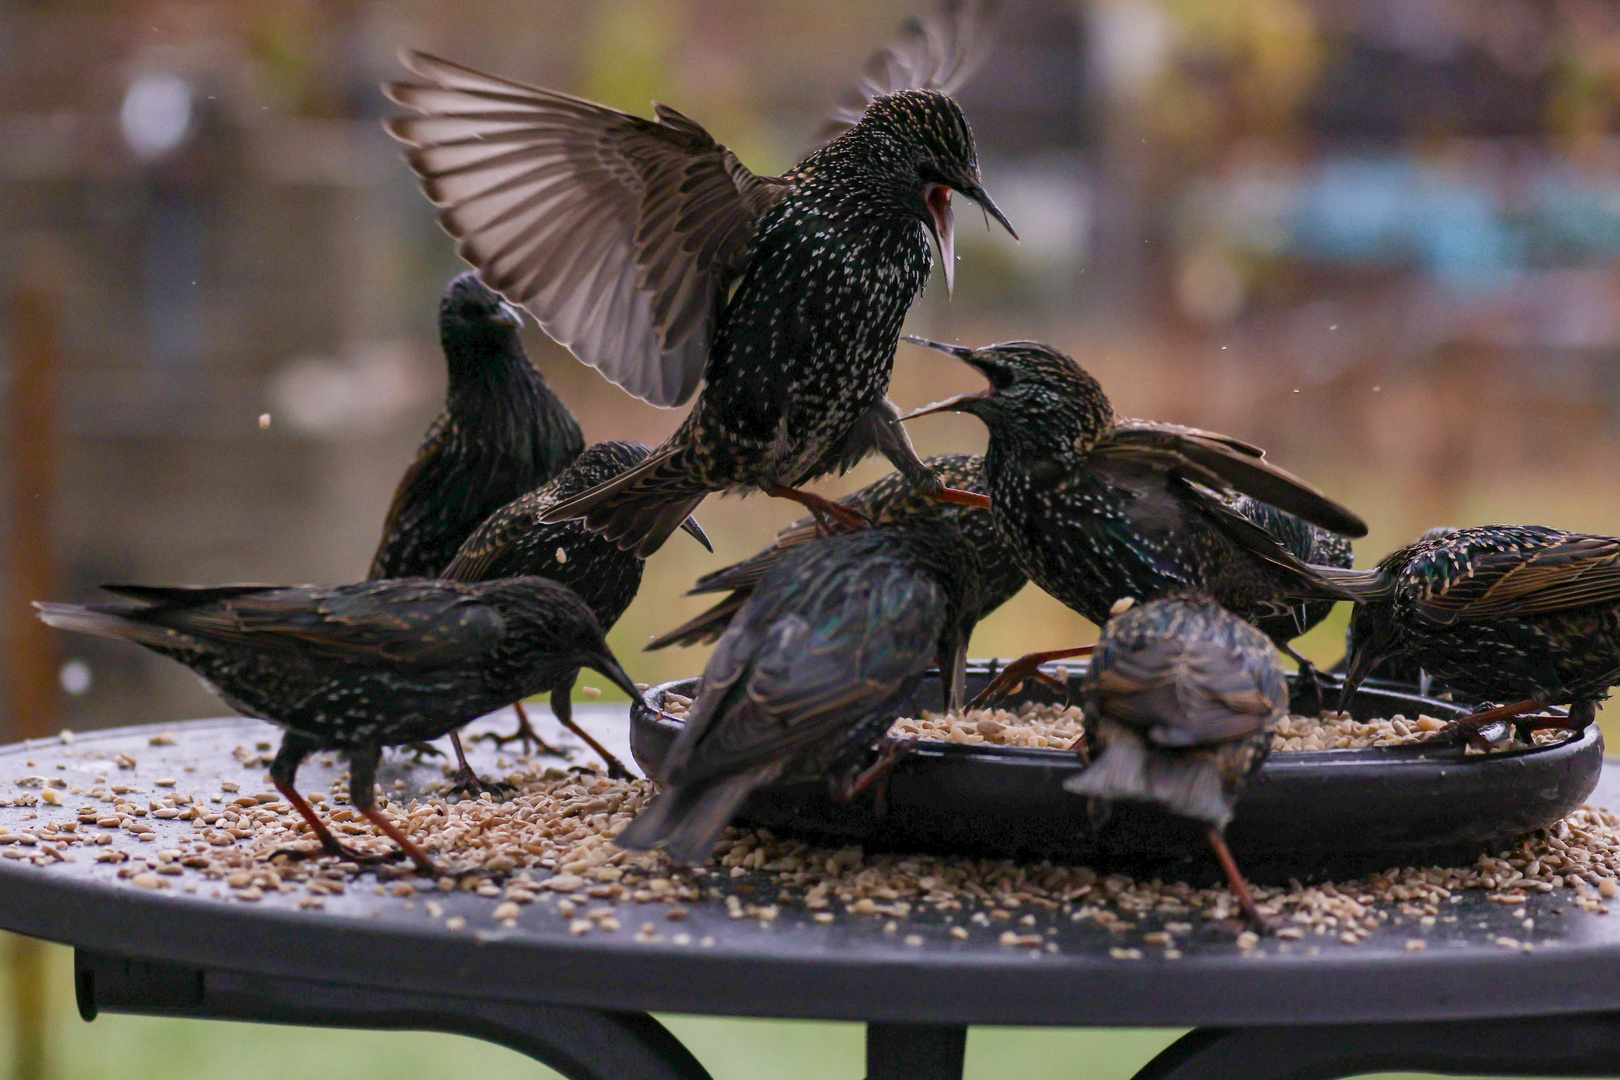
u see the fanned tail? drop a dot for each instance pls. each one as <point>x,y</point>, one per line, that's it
<point>642,506</point>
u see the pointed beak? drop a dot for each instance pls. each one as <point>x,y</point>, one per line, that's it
<point>1362,661</point>
<point>959,403</point>
<point>615,674</point>
<point>961,352</point>
<point>691,527</point>
<point>942,223</point>
<point>982,197</point>
<point>506,314</point>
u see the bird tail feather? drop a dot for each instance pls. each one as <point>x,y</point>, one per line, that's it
<point>1186,783</point>
<point>704,628</point>
<point>639,508</point>
<point>107,622</point>
<point>687,821</point>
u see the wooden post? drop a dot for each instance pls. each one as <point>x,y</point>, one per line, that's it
<point>32,681</point>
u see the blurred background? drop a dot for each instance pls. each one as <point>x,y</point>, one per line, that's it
<point>1379,237</point>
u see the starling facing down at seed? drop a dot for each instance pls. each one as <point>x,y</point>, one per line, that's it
<point>657,257</point>
<point>808,675</point>
<point>1096,508</point>
<point>1182,696</point>
<point>1515,613</point>
<point>1309,544</point>
<point>891,499</point>
<point>502,433</point>
<point>513,543</point>
<point>356,668</point>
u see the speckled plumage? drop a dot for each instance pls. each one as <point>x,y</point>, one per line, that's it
<point>1501,613</point>
<point>806,677</point>
<point>650,250</point>
<point>502,433</point>
<point>1096,508</point>
<point>890,500</point>
<point>1309,544</point>
<point>355,668</point>
<point>1181,696</point>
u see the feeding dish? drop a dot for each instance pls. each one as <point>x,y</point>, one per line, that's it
<point>1305,815</point>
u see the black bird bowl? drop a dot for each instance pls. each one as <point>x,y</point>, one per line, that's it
<point>1306,815</point>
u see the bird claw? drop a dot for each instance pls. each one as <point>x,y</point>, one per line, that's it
<point>832,518</point>
<point>471,785</point>
<point>531,740</point>
<point>1012,678</point>
<point>340,850</point>
<point>421,750</point>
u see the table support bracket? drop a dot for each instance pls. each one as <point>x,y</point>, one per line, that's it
<point>1575,1045</point>
<point>915,1051</point>
<point>581,1044</point>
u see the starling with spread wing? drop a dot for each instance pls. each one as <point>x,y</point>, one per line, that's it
<point>1515,613</point>
<point>1181,697</point>
<point>502,433</point>
<point>657,257</point>
<point>355,668</point>
<point>1097,508</point>
<point>514,542</point>
<point>808,675</point>
<point>892,499</point>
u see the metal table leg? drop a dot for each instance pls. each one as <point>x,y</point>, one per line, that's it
<point>915,1051</point>
<point>582,1044</point>
<point>1579,1045</point>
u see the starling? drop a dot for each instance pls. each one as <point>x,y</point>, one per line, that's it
<point>658,258</point>
<point>502,433</point>
<point>513,543</point>
<point>1097,508</point>
<point>1181,698</point>
<point>1515,613</point>
<point>358,667</point>
<point>1309,544</point>
<point>890,500</point>
<point>809,674</point>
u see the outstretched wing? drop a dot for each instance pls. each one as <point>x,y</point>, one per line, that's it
<point>1576,571</point>
<point>619,234</point>
<point>1227,464</point>
<point>939,52</point>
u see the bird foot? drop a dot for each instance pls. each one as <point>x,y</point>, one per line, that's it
<point>1028,667</point>
<point>471,785</point>
<point>531,740</point>
<point>422,750</point>
<point>958,497</point>
<point>1471,729</point>
<point>890,752</point>
<point>832,518</point>
<point>341,851</point>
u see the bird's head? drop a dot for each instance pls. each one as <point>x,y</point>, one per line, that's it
<point>474,321</point>
<point>553,629</point>
<point>922,148</point>
<point>1036,395</point>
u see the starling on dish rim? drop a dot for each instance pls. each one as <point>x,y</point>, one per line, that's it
<point>806,677</point>
<point>1097,508</point>
<point>1517,613</point>
<point>657,257</point>
<point>355,668</point>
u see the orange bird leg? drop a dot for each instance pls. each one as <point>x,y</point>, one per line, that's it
<point>1234,879</point>
<point>960,497</point>
<point>330,844</point>
<point>424,865</point>
<point>1468,726</point>
<point>834,518</point>
<point>1027,667</point>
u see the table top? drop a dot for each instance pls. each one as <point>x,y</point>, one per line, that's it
<point>849,969</point>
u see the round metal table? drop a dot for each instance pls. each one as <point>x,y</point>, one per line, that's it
<point>1294,1009</point>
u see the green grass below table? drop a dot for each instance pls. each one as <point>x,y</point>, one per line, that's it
<point>143,1048</point>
